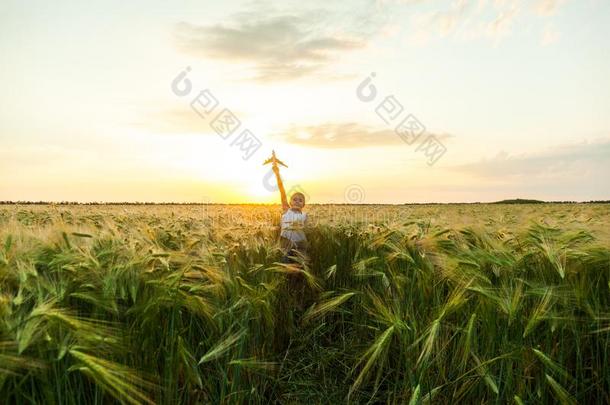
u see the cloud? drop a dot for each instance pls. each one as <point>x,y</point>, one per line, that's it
<point>586,161</point>
<point>550,35</point>
<point>477,20</point>
<point>568,172</point>
<point>547,7</point>
<point>442,23</point>
<point>466,21</point>
<point>502,25</point>
<point>344,135</point>
<point>277,46</point>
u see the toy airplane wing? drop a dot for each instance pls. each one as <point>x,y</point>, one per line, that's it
<point>274,160</point>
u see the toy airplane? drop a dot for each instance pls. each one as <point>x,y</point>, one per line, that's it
<point>274,161</point>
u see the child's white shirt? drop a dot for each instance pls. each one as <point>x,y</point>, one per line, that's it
<point>293,223</point>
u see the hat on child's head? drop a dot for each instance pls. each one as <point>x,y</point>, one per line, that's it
<point>297,193</point>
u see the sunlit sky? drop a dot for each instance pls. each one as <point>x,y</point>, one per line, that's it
<point>517,92</point>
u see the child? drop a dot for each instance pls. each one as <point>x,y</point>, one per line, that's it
<point>292,237</point>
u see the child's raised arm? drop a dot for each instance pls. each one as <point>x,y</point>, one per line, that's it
<point>280,185</point>
<point>285,205</point>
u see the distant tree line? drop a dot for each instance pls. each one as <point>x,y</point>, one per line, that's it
<point>526,201</point>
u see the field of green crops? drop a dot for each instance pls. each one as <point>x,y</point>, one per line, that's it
<point>483,304</point>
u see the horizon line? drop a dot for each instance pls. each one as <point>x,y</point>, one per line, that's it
<point>505,201</point>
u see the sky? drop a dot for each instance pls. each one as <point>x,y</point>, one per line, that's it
<point>389,101</point>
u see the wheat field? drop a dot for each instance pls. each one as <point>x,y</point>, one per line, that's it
<point>396,304</point>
